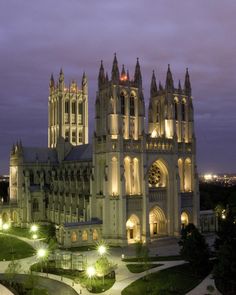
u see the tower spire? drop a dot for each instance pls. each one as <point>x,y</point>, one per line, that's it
<point>187,84</point>
<point>51,83</point>
<point>115,75</point>
<point>169,80</point>
<point>101,75</point>
<point>179,87</point>
<point>138,75</point>
<point>153,88</point>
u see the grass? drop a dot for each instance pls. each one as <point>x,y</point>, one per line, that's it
<point>175,280</point>
<point>155,258</point>
<point>12,247</point>
<point>42,232</point>
<point>95,285</point>
<point>137,268</point>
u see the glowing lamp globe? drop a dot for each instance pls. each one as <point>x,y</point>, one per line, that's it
<point>5,226</point>
<point>90,271</point>
<point>34,236</point>
<point>34,228</point>
<point>102,250</point>
<point>41,253</point>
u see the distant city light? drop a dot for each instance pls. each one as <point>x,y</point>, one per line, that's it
<point>208,176</point>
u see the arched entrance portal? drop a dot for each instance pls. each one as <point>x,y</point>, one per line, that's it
<point>157,221</point>
<point>133,229</point>
<point>184,219</point>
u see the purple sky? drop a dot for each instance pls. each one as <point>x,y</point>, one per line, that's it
<point>38,37</point>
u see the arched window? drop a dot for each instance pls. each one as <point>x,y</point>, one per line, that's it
<point>73,108</point>
<point>176,110</point>
<point>132,106</point>
<point>128,178</point>
<point>183,111</point>
<point>73,237</point>
<point>158,114</point>
<point>67,106</point>
<point>80,113</point>
<point>84,236</point>
<point>114,175</point>
<point>31,177</point>
<point>35,205</point>
<point>95,235</point>
<point>122,103</point>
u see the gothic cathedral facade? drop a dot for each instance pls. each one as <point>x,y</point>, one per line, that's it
<point>131,183</point>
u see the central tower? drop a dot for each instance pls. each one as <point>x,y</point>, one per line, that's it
<point>119,128</point>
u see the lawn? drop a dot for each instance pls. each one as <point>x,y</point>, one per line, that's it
<point>42,233</point>
<point>12,247</point>
<point>140,267</point>
<point>176,280</point>
<point>78,276</point>
<point>155,258</point>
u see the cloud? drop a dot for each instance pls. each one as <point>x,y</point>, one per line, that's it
<point>38,37</point>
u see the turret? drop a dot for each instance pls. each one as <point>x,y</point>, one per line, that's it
<point>115,75</point>
<point>169,80</point>
<point>61,80</point>
<point>187,84</point>
<point>84,84</point>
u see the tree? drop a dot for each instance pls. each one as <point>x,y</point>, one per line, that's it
<point>102,266</point>
<point>194,249</point>
<point>225,266</point>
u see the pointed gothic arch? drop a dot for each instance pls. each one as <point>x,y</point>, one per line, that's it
<point>133,229</point>
<point>157,222</point>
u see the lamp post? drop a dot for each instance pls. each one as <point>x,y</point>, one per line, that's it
<point>42,254</point>
<point>90,274</point>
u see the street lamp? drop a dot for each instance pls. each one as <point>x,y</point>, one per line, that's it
<point>90,271</point>
<point>5,226</point>
<point>41,253</point>
<point>34,228</point>
<point>34,236</point>
<point>102,250</point>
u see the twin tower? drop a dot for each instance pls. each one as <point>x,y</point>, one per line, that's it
<point>143,184</point>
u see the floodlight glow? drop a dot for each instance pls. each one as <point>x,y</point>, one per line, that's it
<point>102,249</point>
<point>41,253</point>
<point>34,228</point>
<point>90,271</point>
<point>5,226</point>
<point>34,236</point>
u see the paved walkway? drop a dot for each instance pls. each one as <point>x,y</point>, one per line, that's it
<point>201,289</point>
<point>5,291</point>
<point>163,247</point>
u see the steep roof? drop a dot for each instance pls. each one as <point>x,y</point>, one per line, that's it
<point>80,153</point>
<point>42,155</point>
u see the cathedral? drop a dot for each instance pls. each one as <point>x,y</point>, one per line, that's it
<point>133,182</point>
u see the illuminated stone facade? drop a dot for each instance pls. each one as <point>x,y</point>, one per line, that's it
<point>129,184</point>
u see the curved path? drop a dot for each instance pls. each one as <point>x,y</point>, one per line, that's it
<point>123,276</point>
